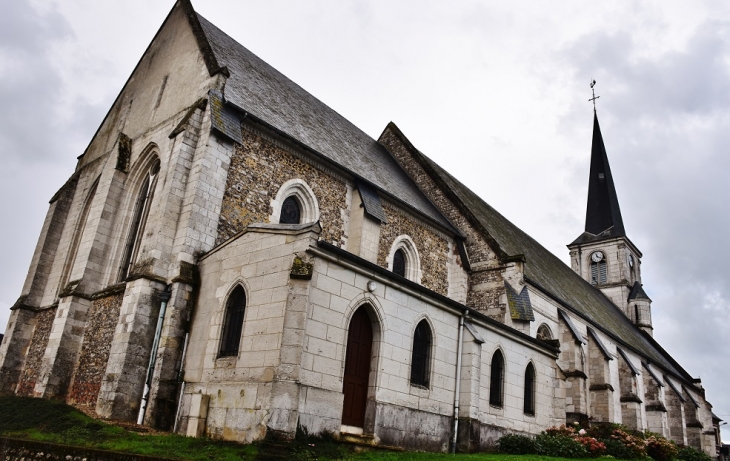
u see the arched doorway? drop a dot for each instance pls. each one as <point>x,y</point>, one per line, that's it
<point>357,369</point>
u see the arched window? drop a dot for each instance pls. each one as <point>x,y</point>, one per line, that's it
<point>496,379</point>
<point>78,233</point>
<point>294,203</point>
<point>233,323</point>
<point>544,333</point>
<point>290,211</point>
<point>399,262</point>
<point>403,259</point>
<point>530,389</point>
<point>139,219</point>
<point>421,355</point>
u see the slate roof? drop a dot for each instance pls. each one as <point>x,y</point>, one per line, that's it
<point>260,90</point>
<point>548,273</point>
<point>603,214</point>
<point>519,304</point>
<point>637,292</point>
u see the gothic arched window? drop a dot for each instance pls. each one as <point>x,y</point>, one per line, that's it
<point>403,259</point>
<point>294,203</point>
<point>290,211</point>
<point>399,262</point>
<point>530,389</point>
<point>496,379</point>
<point>233,323</point>
<point>421,355</point>
<point>139,219</point>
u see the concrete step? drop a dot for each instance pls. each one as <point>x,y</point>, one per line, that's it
<point>364,442</point>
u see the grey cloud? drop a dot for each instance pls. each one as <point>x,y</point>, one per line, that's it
<point>664,120</point>
<point>29,86</point>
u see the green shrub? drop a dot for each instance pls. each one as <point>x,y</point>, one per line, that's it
<point>514,444</point>
<point>691,454</point>
<point>660,449</point>
<point>619,450</point>
<point>560,446</point>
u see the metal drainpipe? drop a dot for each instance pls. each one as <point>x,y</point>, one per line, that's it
<point>164,298</point>
<point>458,382</point>
<point>180,374</point>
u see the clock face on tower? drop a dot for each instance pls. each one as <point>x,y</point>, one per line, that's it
<point>597,257</point>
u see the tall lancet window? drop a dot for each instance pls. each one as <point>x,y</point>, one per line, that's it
<point>233,323</point>
<point>529,407</point>
<point>496,379</point>
<point>421,355</point>
<point>139,219</point>
<point>78,233</point>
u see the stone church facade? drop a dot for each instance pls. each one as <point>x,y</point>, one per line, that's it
<point>232,258</point>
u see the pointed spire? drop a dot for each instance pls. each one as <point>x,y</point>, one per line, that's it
<point>602,213</point>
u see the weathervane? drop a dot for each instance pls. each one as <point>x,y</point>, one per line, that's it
<point>593,99</point>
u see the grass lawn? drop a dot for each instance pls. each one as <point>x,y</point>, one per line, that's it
<point>54,422</point>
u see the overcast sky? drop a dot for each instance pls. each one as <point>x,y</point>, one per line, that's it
<point>496,92</point>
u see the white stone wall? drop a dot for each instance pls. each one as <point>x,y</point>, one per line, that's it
<point>260,260</point>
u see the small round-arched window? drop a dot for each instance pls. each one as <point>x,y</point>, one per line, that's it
<point>399,262</point>
<point>544,333</point>
<point>290,211</point>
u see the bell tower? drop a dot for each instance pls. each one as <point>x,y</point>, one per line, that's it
<point>603,255</point>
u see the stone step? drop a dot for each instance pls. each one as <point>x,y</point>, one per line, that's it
<point>364,442</point>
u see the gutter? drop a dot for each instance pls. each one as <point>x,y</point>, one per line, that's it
<point>164,298</point>
<point>457,391</point>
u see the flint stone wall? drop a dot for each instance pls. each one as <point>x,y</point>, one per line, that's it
<point>432,248</point>
<point>258,169</point>
<point>36,350</point>
<point>94,355</point>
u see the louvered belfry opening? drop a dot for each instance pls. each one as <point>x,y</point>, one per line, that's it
<point>291,212</point>
<point>496,378</point>
<point>421,356</point>
<point>530,389</point>
<point>399,262</point>
<point>599,272</point>
<point>233,323</point>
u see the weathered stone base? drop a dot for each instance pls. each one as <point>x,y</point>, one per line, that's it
<point>412,429</point>
<point>36,349</point>
<point>94,355</point>
<point>477,436</point>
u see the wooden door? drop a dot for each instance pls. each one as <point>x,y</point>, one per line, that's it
<point>357,369</point>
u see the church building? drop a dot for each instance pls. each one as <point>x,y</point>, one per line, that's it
<point>232,258</point>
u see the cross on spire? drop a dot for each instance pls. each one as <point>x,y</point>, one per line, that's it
<point>593,99</point>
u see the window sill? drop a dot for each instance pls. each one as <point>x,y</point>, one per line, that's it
<point>226,362</point>
<point>421,391</point>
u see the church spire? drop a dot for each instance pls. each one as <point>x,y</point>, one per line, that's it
<point>603,212</point>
